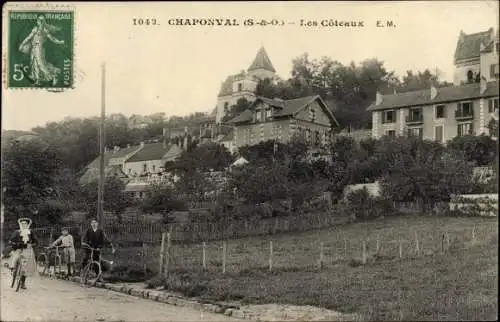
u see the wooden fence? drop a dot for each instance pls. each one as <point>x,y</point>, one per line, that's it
<point>193,232</point>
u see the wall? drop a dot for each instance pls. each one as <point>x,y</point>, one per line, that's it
<point>231,100</point>
<point>250,134</point>
<point>488,59</point>
<point>130,168</point>
<point>461,69</point>
<point>449,123</point>
<point>321,116</point>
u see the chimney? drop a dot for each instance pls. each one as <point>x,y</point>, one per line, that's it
<point>434,92</point>
<point>481,47</point>
<point>482,85</point>
<point>142,144</point>
<point>461,36</point>
<point>395,91</point>
<point>378,98</point>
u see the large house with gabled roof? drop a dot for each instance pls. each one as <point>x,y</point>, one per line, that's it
<point>244,84</point>
<point>281,120</point>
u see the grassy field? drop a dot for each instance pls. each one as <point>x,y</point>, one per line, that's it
<point>438,280</point>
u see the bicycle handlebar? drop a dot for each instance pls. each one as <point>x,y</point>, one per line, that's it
<point>85,245</point>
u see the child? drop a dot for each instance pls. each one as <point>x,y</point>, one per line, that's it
<point>68,252</point>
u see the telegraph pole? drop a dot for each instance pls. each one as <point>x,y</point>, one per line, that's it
<point>100,193</point>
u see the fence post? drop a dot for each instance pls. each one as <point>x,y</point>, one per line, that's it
<point>270,255</point>
<point>144,258</point>
<point>378,245</point>
<point>417,246</point>
<point>169,244</point>
<point>321,254</point>
<point>474,233</point>
<point>162,253</point>
<point>364,252</point>
<point>224,254</point>
<point>204,256</point>
<point>345,248</point>
<point>400,248</point>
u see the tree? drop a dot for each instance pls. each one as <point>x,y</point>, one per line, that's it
<point>160,198</point>
<point>28,171</point>
<point>423,171</point>
<point>480,150</point>
<point>241,105</point>
<point>116,200</point>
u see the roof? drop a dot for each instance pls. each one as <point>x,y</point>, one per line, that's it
<point>95,164</point>
<point>153,151</point>
<point>173,153</point>
<point>112,155</point>
<point>92,174</point>
<point>284,108</point>
<point>262,61</point>
<point>445,94</point>
<point>469,46</point>
<point>136,187</point>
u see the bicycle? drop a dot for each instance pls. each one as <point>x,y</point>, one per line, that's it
<point>17,272</point>
<point>43,259</point>
<point>93,267</point>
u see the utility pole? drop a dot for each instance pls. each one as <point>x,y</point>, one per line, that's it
<point>100,193</point>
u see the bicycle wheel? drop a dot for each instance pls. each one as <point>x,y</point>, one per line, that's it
<point>43,262</point>
<point>91,273</point>
<point>15,273</point>
<point>57,264</point>
<point>18,281</point>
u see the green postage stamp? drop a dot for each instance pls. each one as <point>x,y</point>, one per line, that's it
<point>40,49</point>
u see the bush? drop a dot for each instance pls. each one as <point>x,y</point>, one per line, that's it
<point>360,205</point>
<point>130,274</point>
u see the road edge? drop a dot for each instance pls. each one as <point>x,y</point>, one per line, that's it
<point>169,298</point>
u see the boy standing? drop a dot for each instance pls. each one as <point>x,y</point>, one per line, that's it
<point>68,250</point>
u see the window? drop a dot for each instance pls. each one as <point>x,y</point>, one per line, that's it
<point>153,167</point>
<point>494,70</point>
<point>464,129</point>
<point>389,117</point>
<point>440,111</point>
<point>464,109</point>
<point>258,116</point>
<point>415,131</point>
<point>390,133</point>
<point>240,87</point>
<point>470,76</point>
<point>492,105</point>
<point>129,171</point>
<point>438,133</point>
<point>268,113</point>
<point>226,107</point>
<point>144,167</point>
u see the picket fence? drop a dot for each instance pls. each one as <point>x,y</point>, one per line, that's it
<point>193,232</point>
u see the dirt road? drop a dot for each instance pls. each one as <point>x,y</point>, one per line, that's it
<point>55,300</point>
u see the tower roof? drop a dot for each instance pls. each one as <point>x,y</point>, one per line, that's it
<point>262,61</point>
<point>469,46</point>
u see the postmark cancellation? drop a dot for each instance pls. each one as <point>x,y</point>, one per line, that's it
<point>40,51</point>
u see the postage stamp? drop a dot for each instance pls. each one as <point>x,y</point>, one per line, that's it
<point>40,49</point>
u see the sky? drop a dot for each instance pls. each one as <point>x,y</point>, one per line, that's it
<point>179,69</point>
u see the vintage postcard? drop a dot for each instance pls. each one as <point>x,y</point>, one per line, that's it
<point>261,161</point>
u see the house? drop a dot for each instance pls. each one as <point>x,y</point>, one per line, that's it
<point>243,85</point>
<point>280,120</point>
<point>442,113</point>
<point>114,161</point>
<point>228,142</point>
<point>436,114</point>
<point>476,55</point>
<point>151,159</point>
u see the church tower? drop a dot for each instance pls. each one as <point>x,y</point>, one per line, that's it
<point>244,84</point>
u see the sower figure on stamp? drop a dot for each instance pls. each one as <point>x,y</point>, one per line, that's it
<point>95,238</point>
<point>33,45</point>
<point>22,242</point>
